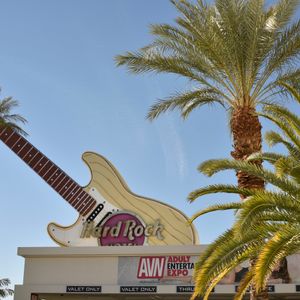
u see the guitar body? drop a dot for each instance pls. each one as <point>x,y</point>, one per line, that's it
<point>108,188</point>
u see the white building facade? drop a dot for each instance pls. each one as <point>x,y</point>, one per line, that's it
<point>131,272</point>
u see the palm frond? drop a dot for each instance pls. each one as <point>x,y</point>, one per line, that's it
<point>266,206</point>
<point>219,188</point>
<point>4,291</point>
<point>210,167</point>
<point>273,138</point>
<point>285,242</point>
<point>289,87</point>
<point>173,41</point>
<point>288,132</point>
<point>7,119</point>
<point>286,85</point>
<point>139,62</point>
<point>217,207</point>
<point>4,282</point>
<point>286,47</point>
<point>244,285</point>
<point>270,157</point>
<point>284,11</point>
<point>284,115</point>
<point>184,102</point>
<point>295,172</point>
<point>284,166</point>
<point>224,258</point>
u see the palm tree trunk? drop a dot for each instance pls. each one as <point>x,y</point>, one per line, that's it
<point>263,295</point>
<point>246,130</point>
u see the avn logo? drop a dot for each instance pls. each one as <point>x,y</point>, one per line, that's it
<point>151,267</point>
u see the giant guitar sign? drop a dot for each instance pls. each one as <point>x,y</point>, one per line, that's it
<point>109,213</point>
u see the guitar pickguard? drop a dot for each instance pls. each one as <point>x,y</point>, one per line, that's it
<point>70,235</point>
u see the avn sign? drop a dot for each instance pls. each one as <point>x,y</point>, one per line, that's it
<point>151,267</point>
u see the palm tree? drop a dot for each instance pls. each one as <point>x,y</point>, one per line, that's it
<point>10,120</point>
<point>235,53</point>
<point>4,291</point>
<point>267,225</point>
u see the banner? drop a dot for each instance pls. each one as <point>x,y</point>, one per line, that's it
<point>178,270</point>
<point>156,270</point>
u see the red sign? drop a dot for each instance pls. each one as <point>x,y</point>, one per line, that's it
<point>151,267</point>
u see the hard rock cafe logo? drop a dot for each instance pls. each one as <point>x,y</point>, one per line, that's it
<point>122,229</point>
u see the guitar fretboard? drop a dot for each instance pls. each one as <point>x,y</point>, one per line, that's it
<point>65,186</point>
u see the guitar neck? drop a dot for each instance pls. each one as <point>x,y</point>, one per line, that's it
<point>64,185</point>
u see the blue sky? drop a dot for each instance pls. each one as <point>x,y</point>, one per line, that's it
<point>56,59</point>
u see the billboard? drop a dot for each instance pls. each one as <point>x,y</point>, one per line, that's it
<point>178,270</point>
